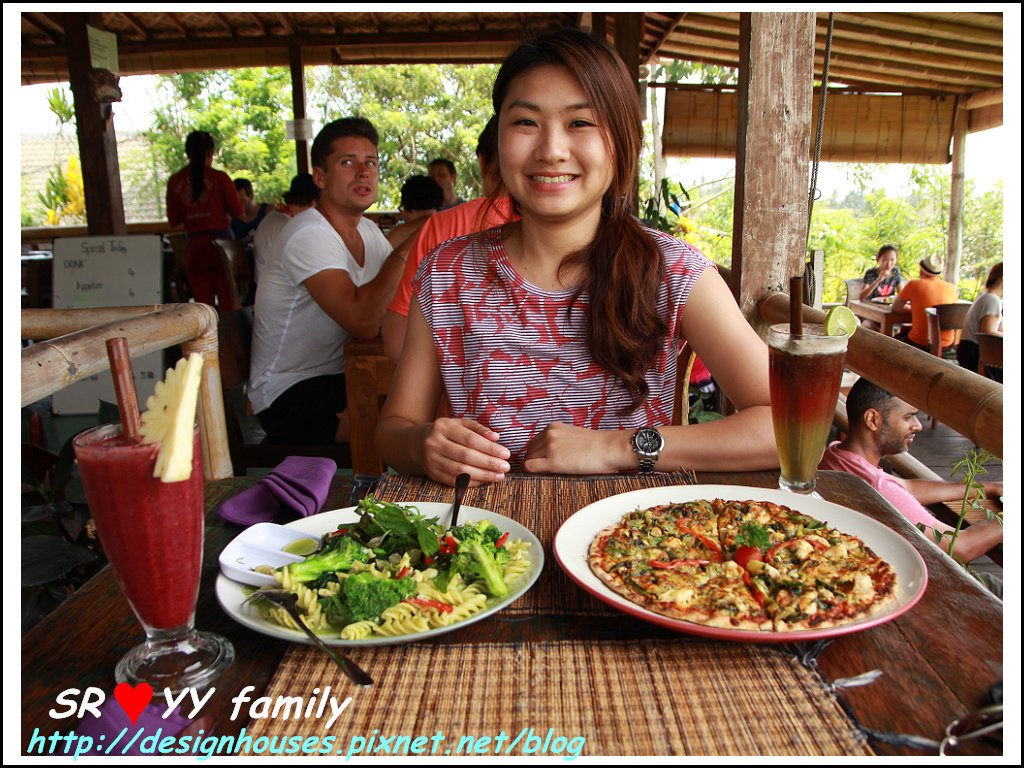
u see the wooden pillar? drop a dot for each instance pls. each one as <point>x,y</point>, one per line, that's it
<point>599,25</point>
<point>954,241</point>
<point>773,148</point>
<point>97,144</point>
<point>628,34</point>
<point>299,105</point>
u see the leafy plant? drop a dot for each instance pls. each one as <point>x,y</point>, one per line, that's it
<point>970,466</point>
<point>60,550</point>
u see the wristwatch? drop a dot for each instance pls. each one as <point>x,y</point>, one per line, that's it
<point>648,445</point>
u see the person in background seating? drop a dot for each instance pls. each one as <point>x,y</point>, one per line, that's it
<point>472,216</point>
<point>985,315</point>
<point>330,276</point>
<point>244,226</point>
<point>884,280</point>
<point>302,194</point>
<point>443,172</point>
<point>883,425</point>
<point>927,291</point>
<point>421,199</point>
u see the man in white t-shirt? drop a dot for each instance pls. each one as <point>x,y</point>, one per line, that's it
<point>331,275</point>
<point>302,194</point>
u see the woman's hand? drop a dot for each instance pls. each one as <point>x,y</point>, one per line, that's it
<point>563,448</point>
<point>453,446</point>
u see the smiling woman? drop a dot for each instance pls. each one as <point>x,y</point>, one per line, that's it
<point>555,339</point>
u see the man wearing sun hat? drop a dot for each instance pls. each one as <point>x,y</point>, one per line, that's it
<point>927,291</point>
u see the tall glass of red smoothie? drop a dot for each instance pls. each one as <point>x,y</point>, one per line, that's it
<point>804,374</point>
<point>152,533</point>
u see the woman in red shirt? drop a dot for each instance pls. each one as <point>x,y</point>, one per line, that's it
<point>204,200</point>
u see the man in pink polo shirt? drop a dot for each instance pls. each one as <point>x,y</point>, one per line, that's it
<point>882,425</point>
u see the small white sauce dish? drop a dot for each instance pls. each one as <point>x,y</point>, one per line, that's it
<point>260,544</point>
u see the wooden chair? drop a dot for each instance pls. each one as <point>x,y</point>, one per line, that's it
<point>945,317</point>
<point>72,346</point>
<point>990,355</point>
<point>248,444</point>
<point>854,285</point>
<point>236,266</point>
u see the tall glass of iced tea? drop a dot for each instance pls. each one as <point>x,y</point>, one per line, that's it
<point>804,373</point>
<point>152,533</point>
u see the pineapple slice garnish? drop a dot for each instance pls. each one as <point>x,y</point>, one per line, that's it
<point>170,419</point>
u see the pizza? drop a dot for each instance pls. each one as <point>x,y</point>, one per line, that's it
<point>750,565</point>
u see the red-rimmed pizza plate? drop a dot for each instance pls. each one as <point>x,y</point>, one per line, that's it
<point>572,546</point>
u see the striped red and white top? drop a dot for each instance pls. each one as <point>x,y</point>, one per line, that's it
<point>514,357</point>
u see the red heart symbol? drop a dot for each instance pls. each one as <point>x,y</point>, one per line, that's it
<point>133,700</point>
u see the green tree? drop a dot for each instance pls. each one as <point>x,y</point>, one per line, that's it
<point>422,112</point>
<point>243,109</point>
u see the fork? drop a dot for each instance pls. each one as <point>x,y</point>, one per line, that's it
<point>287,600</point>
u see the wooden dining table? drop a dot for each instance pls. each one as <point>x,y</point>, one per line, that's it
<point>562,674</point>
<point>881,313</point>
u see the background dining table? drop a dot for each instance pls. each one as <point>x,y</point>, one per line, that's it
<point>881,313</point>
<point>563,664</point>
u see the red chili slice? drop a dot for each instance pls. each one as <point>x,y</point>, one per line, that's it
<point>758,595</point>
<point>402,573</point>
<point>816,544</point>
<point>501,540</point>
<point>426,602</point>
<point>709,543</point>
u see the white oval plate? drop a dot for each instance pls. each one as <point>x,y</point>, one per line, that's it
<point>231,595</point>
<point>572,547</point>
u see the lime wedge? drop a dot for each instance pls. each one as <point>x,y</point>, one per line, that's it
<point>840,321</point>
<point>302,547</point>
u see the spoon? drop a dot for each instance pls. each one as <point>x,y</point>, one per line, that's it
<point>461,484</point>
<point>287,600</point>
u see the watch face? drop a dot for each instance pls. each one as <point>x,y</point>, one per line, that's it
<point>648,441</point>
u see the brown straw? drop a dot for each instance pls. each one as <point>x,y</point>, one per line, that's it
<point>124,385</point>
<point>796,305</point>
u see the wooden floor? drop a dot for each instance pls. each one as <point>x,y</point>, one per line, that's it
<point>940,448</point>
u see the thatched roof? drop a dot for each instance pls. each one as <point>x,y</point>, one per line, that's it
<point>933,52</point>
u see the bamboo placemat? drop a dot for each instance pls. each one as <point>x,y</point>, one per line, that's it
<point>526,499</point>
<point>660,697</point>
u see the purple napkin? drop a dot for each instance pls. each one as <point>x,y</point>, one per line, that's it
<point>296,488</point>
<point>106,730</point>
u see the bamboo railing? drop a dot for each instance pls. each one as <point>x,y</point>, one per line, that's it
<point>966,402</point>
<point>72,347</point>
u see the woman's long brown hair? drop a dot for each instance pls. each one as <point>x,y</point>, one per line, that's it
<point>622,265</point>
<point>198,145</point>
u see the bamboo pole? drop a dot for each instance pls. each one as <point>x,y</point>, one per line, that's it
<point>968,403</point>
<point>79,351</point>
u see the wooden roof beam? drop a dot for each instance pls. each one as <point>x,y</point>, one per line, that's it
<point>910,22</point>
<point>927,77</point>
<point>134,24</point>
<point>673,22</point>
<point>940,60</point>
<point>983,99</point>
<point>286,22</point>
<point>30,18</point>
<point>930,64</point>
<point>911,42</point>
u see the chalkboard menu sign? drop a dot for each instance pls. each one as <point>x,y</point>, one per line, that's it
<point>107,271</point>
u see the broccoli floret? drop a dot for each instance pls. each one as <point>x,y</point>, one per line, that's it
<point>369,597</point>
<point>479,560</point>
<point>484,531</point>
<point>363,597</point>
<point>339,554</point>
